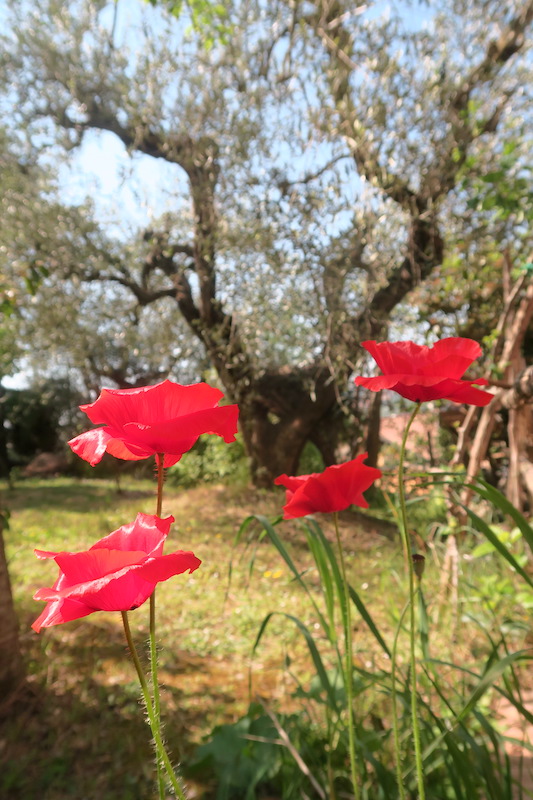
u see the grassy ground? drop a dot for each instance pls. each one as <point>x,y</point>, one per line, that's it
<point>79,733</point>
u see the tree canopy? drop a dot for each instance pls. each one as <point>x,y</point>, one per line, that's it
<point>325,161</point>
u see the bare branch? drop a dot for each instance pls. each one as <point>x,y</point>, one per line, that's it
<point>497,54</point>
<point>338,42</point>
<point>143,296</point>
<point>284,185</point>
<point>302,766</point>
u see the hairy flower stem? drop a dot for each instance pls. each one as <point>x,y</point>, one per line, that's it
<point>329,765</point>
<point>155,690</point>
<point>154,726</point>
<point>348,677</point>
<point>394,697</point>
<point>410,568</point>
<point>159,459</point>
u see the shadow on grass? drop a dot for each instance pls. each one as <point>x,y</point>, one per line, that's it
<point>80,496</point>
<point>79,731</point>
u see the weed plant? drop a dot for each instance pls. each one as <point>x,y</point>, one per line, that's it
<point>81,735</point>
<point>464,667</point>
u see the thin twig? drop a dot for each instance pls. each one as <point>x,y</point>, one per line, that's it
<point>293,751</point>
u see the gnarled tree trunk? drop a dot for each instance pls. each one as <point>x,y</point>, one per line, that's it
<point>280,412</point>
<point>283,408</point>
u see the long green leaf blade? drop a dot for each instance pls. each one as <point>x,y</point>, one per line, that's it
<point>482,526</point>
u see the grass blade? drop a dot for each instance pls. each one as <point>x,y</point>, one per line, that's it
<point>313,650</point>
<point>360,606</point>
<point>482,526</point>
<point>492,495</point>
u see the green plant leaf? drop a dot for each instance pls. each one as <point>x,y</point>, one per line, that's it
<point>356,599</point>
<point>313,650</point>
<point>482,526</point>
<point>488,492</point>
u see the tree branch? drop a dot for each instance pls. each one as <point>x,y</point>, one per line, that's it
<point>284,184</point>
<point>337,40</point>
<point>498,52</point>
<point>442,176</point>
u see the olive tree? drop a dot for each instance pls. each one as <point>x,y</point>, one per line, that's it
<point>316,152</point>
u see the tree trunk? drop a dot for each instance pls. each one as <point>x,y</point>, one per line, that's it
<point>11,668</point>
<point>277,420</point>
<point>513,325</point>
<point>336,434</point>
<point>526,473</point>
<point>519,401</point>
<point>279,413</point>
<point>274,448</point>
<point>4,458</point>
<point>460,455</point>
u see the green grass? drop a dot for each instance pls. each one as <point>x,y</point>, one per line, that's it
<point>80,733</point>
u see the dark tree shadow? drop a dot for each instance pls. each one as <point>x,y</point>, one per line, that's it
<point>79,730</point>
<point>79,497</point>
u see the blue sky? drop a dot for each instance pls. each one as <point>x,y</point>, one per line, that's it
<point>138,188</point>
<point>128,192</point>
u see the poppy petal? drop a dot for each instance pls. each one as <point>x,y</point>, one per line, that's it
<point>293,482</point>
<point>179,435</point>
<point>147,533</point>
<point>93,565</point>
<point>334,489</point>
<point>162,568</point>
<point>150,404</point>
<point>457,346</point>
<point>420,373</point>
<point>59,611</point>
<point>91,445</point>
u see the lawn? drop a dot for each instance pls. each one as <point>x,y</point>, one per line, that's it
<point>79,733</point>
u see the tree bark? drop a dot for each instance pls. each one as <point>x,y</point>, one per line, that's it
<point>11,667</point>
<point>513,325</point>
<point>519,401</point>
<point>526,473</point>
<point>4,456</point>
<point>460,454</point>
<point>279,413</point>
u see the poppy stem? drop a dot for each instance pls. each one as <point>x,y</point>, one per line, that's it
<point>159,460</point>
<point>394,697</point>
<point>155,689</point>
<point>412,647</point>
<point>156,732</point>
<point>348,670</point>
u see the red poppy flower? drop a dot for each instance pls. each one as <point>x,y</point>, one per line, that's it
<point>118,573</point>
<point>422,373</point>
<point>165,418</point>
<point>338,487</point>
